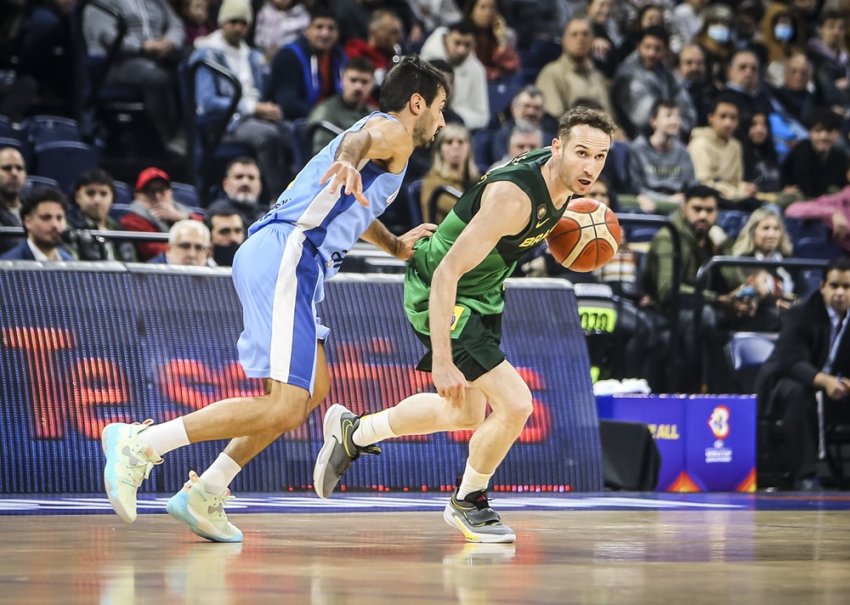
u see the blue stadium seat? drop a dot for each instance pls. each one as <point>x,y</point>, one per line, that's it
<point>414,208</point>
<point>8,130</point>
<point>482,146</point>
<point>500,93</point>
<point>816,247</point>
<point>641,233</point>
<point>37,181</point>
<point>732,221</point>
<point>747,352</point>
<point>616,169</point>
<point>123,193</point>
<point>64,161</point>
<point>805,228</point>
<point>185,194</point>
<point>45,129</point>
<point>119,210</point>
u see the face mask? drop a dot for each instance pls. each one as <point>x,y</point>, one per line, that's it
<point>223,255</point>
<point>718,33</point>
<point>783,32</point>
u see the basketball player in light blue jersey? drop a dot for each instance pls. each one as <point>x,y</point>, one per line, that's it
<point>279,273</point>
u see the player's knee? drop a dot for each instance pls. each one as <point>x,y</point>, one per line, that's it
<point>517,408</point>
<point>285,414</point>
<point>468,419</point>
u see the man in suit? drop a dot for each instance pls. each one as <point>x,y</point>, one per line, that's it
<point>13,176</point>
<point>812,354</point>
<point>43,215</point>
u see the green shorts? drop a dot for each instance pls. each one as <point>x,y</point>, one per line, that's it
<point>475,351</point>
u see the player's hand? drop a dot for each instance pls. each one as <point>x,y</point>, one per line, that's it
<point>345,174</point>
<point>405,242</point>
<point>451,384</point>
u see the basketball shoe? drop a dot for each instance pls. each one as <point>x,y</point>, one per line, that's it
<point>128,463</point>
<point>203,512</point>
<point>476,520</point>
<point>339,449</point>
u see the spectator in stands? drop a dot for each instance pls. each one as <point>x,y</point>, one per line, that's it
<point>354,17</point>
<point>279,23</point>
<point>308,70</point>
<point>257,123</point>
<point>153,211</point>
<point>649,14</point>
<point>188,245</point>
<point>780,35</point>
<point>810,360</point>
<point>718,155</point>
<point>693,78</point>
<point>685,23</point>
<point>833,209</point>
<point>147,58</point>
<point>607,36</point>
<point>227,232</point>
<point>831,61</point>
<point>13,176</point>
<point>764,237</point>
<point>435,13</point>
<point>196,20</point>
<point>453,165</point>
<point>761,162</point>
<point>701,239</point>
<point>715,39</point>
<point>660,168</point>
<point>817,165</point>
<point>526,110</point>
<point>94,193</point>
<point>793,103</point>
<point>745,89</point>
<point>573,75</point>
<point>43,215</point>
<point>642,79</point>
<point>495,42</point>
<point>346,108</point>
<point>241,189</point>
<point>455,44</point>
<point>382,48</point>
<point>524,137</point>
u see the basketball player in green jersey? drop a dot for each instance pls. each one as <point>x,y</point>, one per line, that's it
<point>454,297</point>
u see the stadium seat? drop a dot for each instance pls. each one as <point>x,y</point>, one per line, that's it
<point>8,130</point>
<point>500,93</point>
<point>123,193</point>
<point>46,129</point>
<point>747,351</point>
<point>64,161</point>
<point>732,221</point>
<point>185,194</point>
<point>816,247</point>
<point>616,169</point>
<point>414,207</point>
<point>37,181</point>
<point>805,228</point>
<point>118,210</point>
<point>482,146</point>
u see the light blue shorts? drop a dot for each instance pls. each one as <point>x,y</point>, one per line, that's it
<point>279,280</point>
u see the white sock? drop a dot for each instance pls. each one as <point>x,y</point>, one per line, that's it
<point>373,428</point>
<point>472,481</point>
<point>220,474</point>
<point>166,436</point>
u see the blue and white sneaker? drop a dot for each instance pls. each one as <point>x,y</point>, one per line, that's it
<point>203,512</point>
<point>128,463</point>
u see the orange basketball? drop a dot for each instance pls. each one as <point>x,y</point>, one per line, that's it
<point>586,237</point>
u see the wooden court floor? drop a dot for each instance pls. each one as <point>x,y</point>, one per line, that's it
<point>589,557</point>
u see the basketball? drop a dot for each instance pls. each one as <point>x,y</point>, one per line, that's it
<point>586,237</point>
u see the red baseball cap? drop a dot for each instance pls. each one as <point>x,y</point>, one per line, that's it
<point>151,174</point>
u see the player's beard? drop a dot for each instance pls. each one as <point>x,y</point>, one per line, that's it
<point>420,132</point>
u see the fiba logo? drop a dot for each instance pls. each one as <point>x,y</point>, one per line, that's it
<point>718,422</point>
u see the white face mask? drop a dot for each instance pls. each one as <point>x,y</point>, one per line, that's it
<point>718,33</point>
<point>783,32</point>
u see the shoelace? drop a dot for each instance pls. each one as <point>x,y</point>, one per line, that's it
<point>214,502</point>
<point>140,472</point>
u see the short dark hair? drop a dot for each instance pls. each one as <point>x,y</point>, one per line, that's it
<point>701,191</point>
<point>410,76</point>
<point>659,104</point>
<point>39,195</point>
<point>655,31</point>
<point>723,97</point>
<point>842,263</point>
<point>464,27</point>
<point>585,116</point>
<point>320,11</point>
<point>95,176</point>
<point>225,209</point>
<point>361,64</point>
<point>824,118</point>
<point>242,159</point>
<point>831,14</point>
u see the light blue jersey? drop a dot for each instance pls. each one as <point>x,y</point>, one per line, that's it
<point>333,223</point>
<point>279,271</point>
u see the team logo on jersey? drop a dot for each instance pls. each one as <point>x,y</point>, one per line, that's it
<point>541,211</point>
<point>456,313</point>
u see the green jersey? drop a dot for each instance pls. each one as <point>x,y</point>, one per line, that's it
<point>481,290</point>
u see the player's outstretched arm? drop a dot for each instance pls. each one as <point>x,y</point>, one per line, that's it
<point>402,246</point>
<point>504,211</point>
<point>380,139</point>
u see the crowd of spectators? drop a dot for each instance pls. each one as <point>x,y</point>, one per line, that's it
<point>734,121</point>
